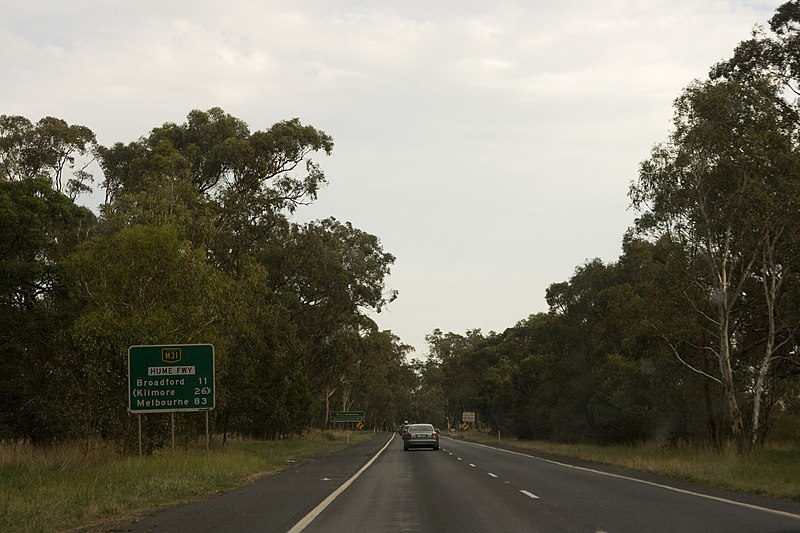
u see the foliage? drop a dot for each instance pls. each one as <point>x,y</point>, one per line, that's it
<point>49,150</point>
<point>40,227</point>
<point>193,244</point>
<point>619,406</point>
<point>691,333</point>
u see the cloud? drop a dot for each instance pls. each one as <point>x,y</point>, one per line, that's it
<point>488,144</point>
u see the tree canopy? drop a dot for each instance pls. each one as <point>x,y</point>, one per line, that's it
<point>193,244</point>
<point>690,334</point>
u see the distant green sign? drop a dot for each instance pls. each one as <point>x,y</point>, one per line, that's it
<point>171,378</point>
<point>347,416</point>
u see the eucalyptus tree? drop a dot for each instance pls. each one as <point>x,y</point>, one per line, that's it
<point>656,310</point>
<point>715,187</point>
<point>381,381</point>
<point>227,191</point>
<point>141,285</point>
<point>43,168</point>
<point>772,55</point>
<point>51,148</point>
<point>222,157</point>
<point>235,183</point>
<point>39,228</point>
<point>329,276</point>
<point>194,242</point>
<point>455,367</point>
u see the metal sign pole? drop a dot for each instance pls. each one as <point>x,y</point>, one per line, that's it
<point>208,438</point>
<point>140,434</point>
<point>172,416</point>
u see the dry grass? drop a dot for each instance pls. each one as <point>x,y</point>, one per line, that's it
<point>773,471</point>
<point>64,487</point>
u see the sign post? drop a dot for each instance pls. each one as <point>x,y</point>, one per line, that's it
<point>171,378</point>
<point>348,416</point>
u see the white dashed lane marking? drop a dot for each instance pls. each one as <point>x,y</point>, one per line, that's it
<point>525,492</point>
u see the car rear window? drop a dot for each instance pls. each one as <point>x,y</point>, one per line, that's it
<point>421,427</point>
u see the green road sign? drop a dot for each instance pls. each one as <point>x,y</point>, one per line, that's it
<point>170,378</point>
<point>347,416</point>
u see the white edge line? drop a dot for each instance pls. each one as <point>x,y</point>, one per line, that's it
<point>307,519</point>
<point>652,484</point>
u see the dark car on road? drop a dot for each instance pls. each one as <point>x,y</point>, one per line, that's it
<point>420,436</point>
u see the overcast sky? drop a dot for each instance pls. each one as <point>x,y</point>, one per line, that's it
<point>489,145</point>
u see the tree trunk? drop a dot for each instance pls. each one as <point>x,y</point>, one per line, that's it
<point>328,394</point>
<point>726,374</point>
<point>771,280</point>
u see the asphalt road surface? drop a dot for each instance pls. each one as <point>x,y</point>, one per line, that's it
<point>465,487</point>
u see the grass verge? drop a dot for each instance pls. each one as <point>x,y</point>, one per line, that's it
<point>69,486</point>
<point>773,471</point>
